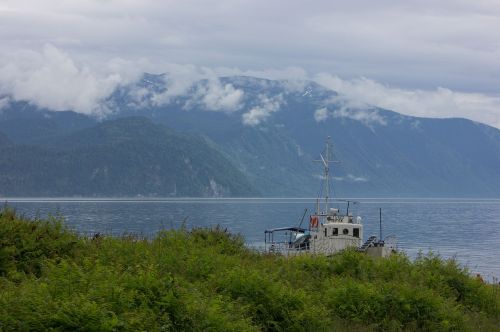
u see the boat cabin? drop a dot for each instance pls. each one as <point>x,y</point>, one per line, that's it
<point>327,233</point>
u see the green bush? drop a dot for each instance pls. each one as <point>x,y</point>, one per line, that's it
<point>25,244</point>
<point>392,306</point>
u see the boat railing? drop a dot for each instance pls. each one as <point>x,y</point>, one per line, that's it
<point>284,248</point>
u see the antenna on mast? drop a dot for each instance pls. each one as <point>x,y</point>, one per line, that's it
<point>325,160</point>
<point>380,224</point>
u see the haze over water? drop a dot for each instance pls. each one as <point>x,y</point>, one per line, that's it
<point>467,229</point>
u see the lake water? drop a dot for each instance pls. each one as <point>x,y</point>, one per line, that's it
<point>468,230</point>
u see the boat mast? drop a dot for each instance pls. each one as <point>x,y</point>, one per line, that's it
<point>326,165</point>
<point>327,176</point>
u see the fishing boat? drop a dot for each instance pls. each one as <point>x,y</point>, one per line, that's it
<point>330,229</point>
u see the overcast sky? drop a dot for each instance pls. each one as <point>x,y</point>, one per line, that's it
<point>424,58</point>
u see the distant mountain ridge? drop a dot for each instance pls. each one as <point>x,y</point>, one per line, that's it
<point>272,130</point>
<point>123,157</point>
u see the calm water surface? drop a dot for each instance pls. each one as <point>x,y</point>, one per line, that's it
<point>468,230</point>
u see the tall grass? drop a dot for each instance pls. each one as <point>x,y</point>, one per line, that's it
<point>207,280</point>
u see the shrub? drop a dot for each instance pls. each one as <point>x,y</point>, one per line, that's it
<point>24,244</point>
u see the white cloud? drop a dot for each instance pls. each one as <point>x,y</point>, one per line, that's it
<point>141,98</point>
<point>215,96</point>
<point>321,114</point>
<point>4,102</point>
<point>178,80</point>
<point>200,84</point>
<point>52,79</point>
<point>351,178</point>
<point>367,116</point>
<point>356,178</point>
<point>255,116</point>
<point>267,106</point>
<point>438,103</point>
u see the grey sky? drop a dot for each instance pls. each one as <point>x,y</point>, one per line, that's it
<point>444,55</point>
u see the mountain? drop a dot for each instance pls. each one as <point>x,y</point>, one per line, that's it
<point>26,124</point>
<point>271,131</point>
<point>4,140</point>
<point>123,157</point>
<point>381,152</point>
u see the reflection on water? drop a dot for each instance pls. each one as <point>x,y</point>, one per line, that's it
<point>466,229</point>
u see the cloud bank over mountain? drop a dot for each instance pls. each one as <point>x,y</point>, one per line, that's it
<point>438,103</point>
<point>424,58</point>
<point>52,78</point>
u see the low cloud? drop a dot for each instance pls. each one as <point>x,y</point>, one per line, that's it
<point>4,102</point>
<point>214,96</point>
<point>179,79</point>
<point>438,103</point>
<point>356,178</point>
<point>52,79</point>
<point>350,178</point>
<point>55,79</point>
<point>367,116</point>
<point>320,115</point>
<point>267,106</point>
<point>201,87</point>
<point>293,79</point>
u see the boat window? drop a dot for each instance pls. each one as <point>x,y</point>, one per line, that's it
<point>335,231</point>
<point>355,232</point>
<point>326,231</point>
<point>345,231</point>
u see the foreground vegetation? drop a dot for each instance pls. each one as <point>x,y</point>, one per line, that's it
<point>206,279</point>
